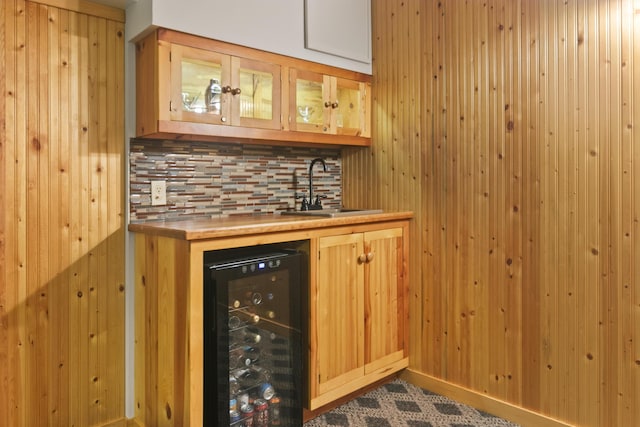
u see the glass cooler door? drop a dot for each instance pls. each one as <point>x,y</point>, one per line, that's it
<point>253,341</point>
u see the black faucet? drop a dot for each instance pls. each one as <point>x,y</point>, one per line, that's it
<point>314,205</point>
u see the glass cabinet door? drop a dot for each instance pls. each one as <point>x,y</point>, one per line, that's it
<point>347,107</point>
<point>307,93</point>
<point>197,80</point>
<point>327,104</point>
<point>255,92</point>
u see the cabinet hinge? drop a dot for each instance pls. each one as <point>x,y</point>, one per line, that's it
<point>169,56</point>
<point>170,105</point>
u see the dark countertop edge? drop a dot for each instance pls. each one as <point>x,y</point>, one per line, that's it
<point>211,228</point>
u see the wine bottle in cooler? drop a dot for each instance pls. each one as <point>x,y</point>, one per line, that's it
<point>243,336</point>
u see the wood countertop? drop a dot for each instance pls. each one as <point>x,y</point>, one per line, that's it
<point>211,228</point>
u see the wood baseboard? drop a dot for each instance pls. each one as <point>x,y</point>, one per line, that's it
<point>120,422</point>
<point>132,422</point>
<point>480,401</point>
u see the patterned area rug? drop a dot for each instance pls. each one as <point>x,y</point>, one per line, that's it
<point>400,404</point>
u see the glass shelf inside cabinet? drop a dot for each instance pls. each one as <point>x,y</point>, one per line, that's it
<point>309,105</point>
<point>201,91</point>
<point>256,94</point>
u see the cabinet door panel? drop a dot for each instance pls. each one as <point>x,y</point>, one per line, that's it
<point>308,93</point>
<point>192,72</point>
<point>383,282</point>
<point>327,104</point>
<point>349,113</point>
<point>258,103</point>
<point>340,353</point>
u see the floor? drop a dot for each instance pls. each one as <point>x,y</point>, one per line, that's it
<point>399,404</point>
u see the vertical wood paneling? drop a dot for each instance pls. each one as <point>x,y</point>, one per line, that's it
<point>525,284</point>
<point>633,357</point>
<point>480,350</point>
<point>62,230</point>
<point>630,397</point>
<point>592,300</point>
<point>549,220</point>
<point>586,382</point>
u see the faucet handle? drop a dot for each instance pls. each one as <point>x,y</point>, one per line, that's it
<point>304,205</point>
<point>317,203</point>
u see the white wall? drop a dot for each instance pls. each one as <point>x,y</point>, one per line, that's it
<point>272,25</point>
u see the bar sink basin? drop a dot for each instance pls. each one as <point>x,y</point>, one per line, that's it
<point>333,213</point>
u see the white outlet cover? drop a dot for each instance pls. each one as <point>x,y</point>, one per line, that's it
<point>158,193</point>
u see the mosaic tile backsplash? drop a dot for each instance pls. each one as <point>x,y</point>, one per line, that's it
<point>217,180</point>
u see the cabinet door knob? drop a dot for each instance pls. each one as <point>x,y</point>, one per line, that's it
<point>334,105</point>
<point>226,89</point>
<point>370,256</point>
<point>327,104</point>
<point>362,258</point>
<point>223,119</point>
<point>235,91</point>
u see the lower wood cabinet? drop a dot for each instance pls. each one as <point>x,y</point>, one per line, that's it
<point>357,332</point>
<point>357,296</point>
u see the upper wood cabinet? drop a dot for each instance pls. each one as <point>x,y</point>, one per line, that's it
<point>190,87</point>
<point>328,104</point>
<point>210,87</point>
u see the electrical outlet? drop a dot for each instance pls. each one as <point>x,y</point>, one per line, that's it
<point>158,193</point>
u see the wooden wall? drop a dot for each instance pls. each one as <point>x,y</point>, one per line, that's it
<point>510,127</point>
<point>61,215</point>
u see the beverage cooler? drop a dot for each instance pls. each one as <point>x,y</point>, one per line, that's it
<point>252,337</point>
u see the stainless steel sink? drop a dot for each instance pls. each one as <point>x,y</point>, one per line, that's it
<point>333,213</point>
